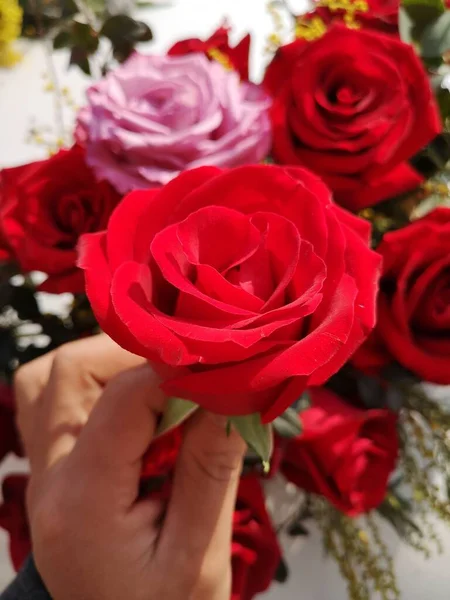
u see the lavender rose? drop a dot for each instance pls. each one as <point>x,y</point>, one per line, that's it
<point>156,116</point>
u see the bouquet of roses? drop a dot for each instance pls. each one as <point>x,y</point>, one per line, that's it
<point>279,253</point>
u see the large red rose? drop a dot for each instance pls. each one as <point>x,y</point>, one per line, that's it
<point>344,109</point>
<point>13,518</point>
<point>245,285</point>
<point>44,207</point>
<point>255,553</point>
<point>345,454</point>
<point>217,47</point>
<point>413,326</point>
<point>9,438</point>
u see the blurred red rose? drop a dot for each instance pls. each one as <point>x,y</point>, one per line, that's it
<point>5,250</point>
<point>13,518</point>
<point>238,328</point>
<point>345,453</point>
<point>9,437</point>
<point>161,456</point>
<point>44,208</point>
<point>217,47</point>
<point>344,109</point>
<point>413,325</point>
<point>255,550</point>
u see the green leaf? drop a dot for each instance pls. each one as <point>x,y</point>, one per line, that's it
<point>405,26</point>
<point>120,28</point>
<point>78,57</point>
<point>303,403</point>
<point>177,411</point>
<point>436,37</point>
<point>122,50</point>
<point>423,12</point>
<point>69,7</point>
<point>84,37</point>
<point>288,425</point>
<point>258,436</point>
<point>443,99</point>
<point>282,572</point>
<point>63,39</point>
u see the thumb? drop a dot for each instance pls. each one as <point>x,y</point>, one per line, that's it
<point>201,507</point>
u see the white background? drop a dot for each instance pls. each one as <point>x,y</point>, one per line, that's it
<point>23,103</point>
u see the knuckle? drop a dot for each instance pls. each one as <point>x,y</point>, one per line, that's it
<point>71,364</point>
<point>22,377</point>
<point>221,466</point>
<point>67,357</point>
<point>212,452</point>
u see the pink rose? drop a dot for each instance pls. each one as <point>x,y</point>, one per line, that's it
<point>156,116</point>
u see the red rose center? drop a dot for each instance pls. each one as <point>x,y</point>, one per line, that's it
<point>233,258</point>
<point>433,311</point>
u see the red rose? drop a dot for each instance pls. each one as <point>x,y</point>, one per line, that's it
<point>217,47</point>
<point>381,15</point>
<point>9,438</point>
<point>345,454</point>
<point>414,304</point>
<point>245,285</point>
<point>44,207</point>
<point>13,518</point>
<point>162,454</point>
<point>255,550</point>
<point>344,109</point>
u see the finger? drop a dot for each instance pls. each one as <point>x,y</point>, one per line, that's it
<point>201,508</point>
<point>110,449</point>
<point>97,356</point>
<point>78,374</point>
<point>88,354</point>
<point>29,383</point>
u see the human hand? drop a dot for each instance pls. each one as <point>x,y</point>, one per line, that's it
<point>93,538</point>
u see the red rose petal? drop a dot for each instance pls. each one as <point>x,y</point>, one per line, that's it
<point>93,259</point>
<point>204,234</point>
<point>400,343</point>
<point>176,268</point>
<point>131,291</point>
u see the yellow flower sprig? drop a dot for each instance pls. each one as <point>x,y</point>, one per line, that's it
<point>10,28</point>
<point>310,29</point>
<point>359,550</point>
<point>350,9</point>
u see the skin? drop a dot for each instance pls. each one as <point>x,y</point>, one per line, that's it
<point>87,413</point>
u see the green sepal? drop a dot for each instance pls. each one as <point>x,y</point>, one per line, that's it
<point>288,425</point>
<point>435,39</point>
<point>177,411</point>
<point>257,435</point>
